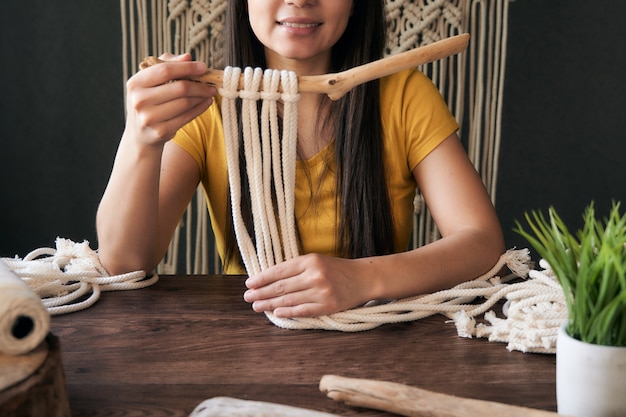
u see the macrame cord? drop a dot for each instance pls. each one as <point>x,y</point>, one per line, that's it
<point>534,308</point>
<point>268,162</point>
<point>71,278</point>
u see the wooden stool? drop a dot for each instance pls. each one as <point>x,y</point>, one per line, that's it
<point>34,384</point>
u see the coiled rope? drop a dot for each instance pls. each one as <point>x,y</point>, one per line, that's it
<point>535,307</point>
<point>71,278</point>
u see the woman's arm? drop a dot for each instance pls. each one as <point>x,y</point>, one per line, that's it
<point>471,244</point>
<point>471,241</point>
<point>152,179</point>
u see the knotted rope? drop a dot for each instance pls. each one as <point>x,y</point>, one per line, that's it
<point>534,308</point>
<point>71,278</point>
<point>270,164</point>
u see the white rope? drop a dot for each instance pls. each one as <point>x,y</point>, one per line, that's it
<point>290,99</point>
<point>534,308</point>
<point>229,111</point>
<point>534,312</point>
<point>71,278</point>
<point>268,162</point>
<point>408,309</point>
<point>272,146</point>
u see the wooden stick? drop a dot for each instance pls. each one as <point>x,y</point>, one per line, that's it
<point>415,402</point>
<point>338,84</point>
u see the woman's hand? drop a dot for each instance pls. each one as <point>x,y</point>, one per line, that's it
<point>160,100</point>
<point>307,286</point>
<point>154,181</point>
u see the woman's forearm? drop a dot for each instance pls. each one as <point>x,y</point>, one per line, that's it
<point>465,255</point>
<point>313,284</point>
<point>127,218</point>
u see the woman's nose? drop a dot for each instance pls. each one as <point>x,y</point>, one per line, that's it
<point>301,3</point>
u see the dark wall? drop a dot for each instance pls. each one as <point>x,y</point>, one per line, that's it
<point>61,114</point>
<point>564,126</point>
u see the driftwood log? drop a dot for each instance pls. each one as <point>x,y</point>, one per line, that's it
<point>33,384</point>
<point>415,402</point>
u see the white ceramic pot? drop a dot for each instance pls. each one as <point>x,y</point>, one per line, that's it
<point>590,379</point>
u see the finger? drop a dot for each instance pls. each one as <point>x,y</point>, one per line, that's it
<point>151,106</point>
<point>273,290</point>
<point>170,122</point>
<point>272,286</point>
<point>262,279</point>
<point>171,57</point>
<point>289,300</point>
<point>168,71</point>
<point>300,310</point>
<point>281,271</point>
<point>174,109</point>
<point>176,91</point>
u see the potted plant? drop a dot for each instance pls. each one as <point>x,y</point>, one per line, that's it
<point>590,265</point>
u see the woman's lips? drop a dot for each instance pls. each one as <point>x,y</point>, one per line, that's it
<point>299,25</point>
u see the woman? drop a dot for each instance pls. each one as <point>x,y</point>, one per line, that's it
<point>360,160</point>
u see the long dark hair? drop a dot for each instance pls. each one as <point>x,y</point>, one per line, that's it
<point>366,225</point>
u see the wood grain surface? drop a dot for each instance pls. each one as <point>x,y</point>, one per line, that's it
<point>43,392</point>
<point>162,350</point>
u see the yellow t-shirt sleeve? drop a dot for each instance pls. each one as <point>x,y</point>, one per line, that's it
<point>201,134</point>
<point>414,115</point>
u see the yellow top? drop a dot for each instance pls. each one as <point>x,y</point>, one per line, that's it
<point>415,119</point>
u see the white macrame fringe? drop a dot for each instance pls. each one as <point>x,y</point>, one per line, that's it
<point>71,278</point>
<point>533,313</point>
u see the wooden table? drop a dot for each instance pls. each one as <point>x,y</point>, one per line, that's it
<point>162,350</point>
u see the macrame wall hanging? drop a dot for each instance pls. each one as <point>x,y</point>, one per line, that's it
<point>471,83</point>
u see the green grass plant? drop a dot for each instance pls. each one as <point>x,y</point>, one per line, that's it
<point>590,266</point>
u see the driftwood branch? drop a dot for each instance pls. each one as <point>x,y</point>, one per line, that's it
<point>415,402</point>
<point>338,84</point>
